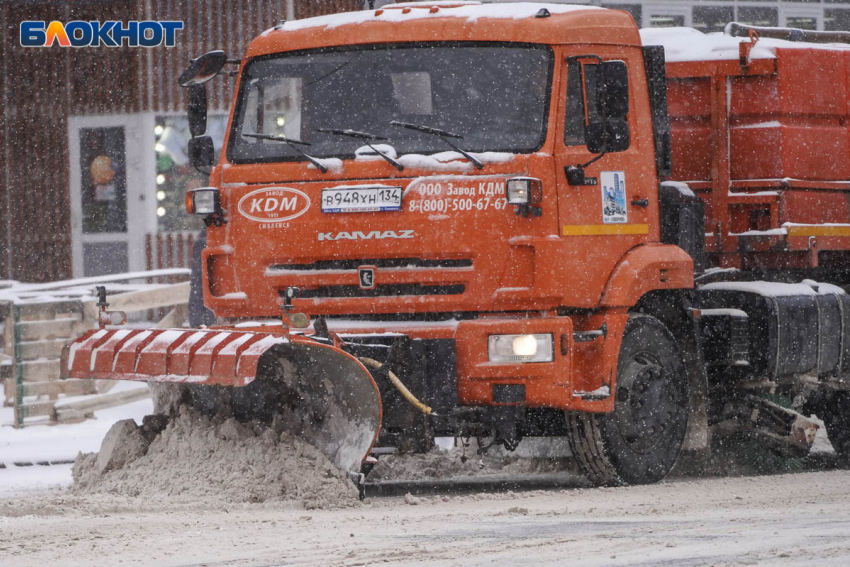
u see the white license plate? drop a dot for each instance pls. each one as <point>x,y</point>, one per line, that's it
<point>361,199</point>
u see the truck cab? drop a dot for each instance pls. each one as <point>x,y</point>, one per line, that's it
<point>419,119</point>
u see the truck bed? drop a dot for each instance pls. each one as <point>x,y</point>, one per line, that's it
<point>765,143</point>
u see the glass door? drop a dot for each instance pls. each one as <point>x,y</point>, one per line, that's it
<point>109,201</point>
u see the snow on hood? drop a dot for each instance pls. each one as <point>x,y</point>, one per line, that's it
<point>687,44</point>
<point>471,11</point>
<point>452,161</point>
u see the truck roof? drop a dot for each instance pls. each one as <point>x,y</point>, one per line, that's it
<point>453,21</point>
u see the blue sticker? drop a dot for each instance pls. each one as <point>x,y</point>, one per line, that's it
<point>614,197</point>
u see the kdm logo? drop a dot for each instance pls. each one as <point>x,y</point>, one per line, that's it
<point>79,33</point>
<point>274,204</point>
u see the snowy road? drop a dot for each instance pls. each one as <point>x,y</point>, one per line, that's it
<point>799,519</point>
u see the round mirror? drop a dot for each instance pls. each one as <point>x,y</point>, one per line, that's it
<point>202,69</point>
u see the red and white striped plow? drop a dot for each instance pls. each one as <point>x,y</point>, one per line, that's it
<point>319,392</point>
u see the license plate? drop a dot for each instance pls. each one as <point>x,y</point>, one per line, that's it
<point>361,199</point>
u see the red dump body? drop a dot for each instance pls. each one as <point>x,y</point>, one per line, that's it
<point>766,145</point>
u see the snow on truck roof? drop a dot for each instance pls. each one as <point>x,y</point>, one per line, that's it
<point>687,44</point>
<point>453,21</point>
<point>471,11</point>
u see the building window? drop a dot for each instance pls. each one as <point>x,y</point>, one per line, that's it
<point>664,21</point>
<point>758,16</point>
<point>836,20</point>
<point>103,166</point>
<point>636,10</point>
<point>802,22</point>
<point>708,19</point>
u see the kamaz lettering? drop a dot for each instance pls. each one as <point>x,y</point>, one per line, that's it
<point>372,235</point>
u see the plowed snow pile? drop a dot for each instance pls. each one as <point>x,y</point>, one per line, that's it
<point>195,457</point>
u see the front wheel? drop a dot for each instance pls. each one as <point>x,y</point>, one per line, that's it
<point>639,442</point>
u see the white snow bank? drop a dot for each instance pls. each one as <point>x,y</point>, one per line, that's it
<point>769,232</point>
<point>452,161</point>
<point>770,124</point>
<point>687,44</point>
<point>365,153</point>
<point>471,12</point>
<point>773,289</point>
<point>824,288</point>
<point>334,165</point>
<point>42,443</point>
<point>723,312</point>
<point>682,188</point>
<point>83,287</point>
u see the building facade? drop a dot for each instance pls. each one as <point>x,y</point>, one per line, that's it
<point>93,150</point>
<point>712,15</point>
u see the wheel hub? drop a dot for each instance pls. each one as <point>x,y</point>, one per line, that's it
<point>644,405</point>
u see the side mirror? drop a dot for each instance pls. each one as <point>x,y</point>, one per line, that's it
<point>197,110</point>
<point>202,69</point>
<point>201,152</point>
<point>607,137</point>
<point>613,100</point>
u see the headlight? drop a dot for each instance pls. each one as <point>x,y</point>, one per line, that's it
<point>203,201</point>
<point>520,348</point>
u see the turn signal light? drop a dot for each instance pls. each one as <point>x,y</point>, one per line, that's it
<point>525,193</point>
<point>203,201</point>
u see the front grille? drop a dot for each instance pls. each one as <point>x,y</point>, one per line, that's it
<point>345,291</point>
<point>378,262</point>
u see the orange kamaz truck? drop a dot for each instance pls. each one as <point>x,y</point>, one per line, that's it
<point>517,220</point>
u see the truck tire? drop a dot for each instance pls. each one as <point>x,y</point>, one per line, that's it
<point>639,442</point>
<point>836,417</point>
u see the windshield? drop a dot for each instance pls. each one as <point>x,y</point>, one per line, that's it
<point>495,96</point>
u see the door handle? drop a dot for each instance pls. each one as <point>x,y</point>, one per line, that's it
<point>643,203</point>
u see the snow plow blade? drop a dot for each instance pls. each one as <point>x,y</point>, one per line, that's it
<point>314,391</point>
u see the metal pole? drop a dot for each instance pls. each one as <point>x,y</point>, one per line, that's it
<point>735,29</point>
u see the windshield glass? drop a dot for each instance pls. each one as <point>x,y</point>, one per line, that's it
<point>495,96</point>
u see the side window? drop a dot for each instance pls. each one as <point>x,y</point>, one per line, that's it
<point>582,86</point>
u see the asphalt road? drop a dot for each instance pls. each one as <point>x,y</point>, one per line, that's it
<point>794,519</point>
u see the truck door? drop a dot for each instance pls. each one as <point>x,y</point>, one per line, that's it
<point>607,212</point>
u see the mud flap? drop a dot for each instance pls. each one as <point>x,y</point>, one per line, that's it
<point>314,391</point>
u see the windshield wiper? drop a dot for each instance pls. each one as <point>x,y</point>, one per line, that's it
<point>367,138</point>
<point>444,136</point>
<point>292,144</point>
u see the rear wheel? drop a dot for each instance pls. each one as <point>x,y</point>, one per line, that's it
<point>640,441</point>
